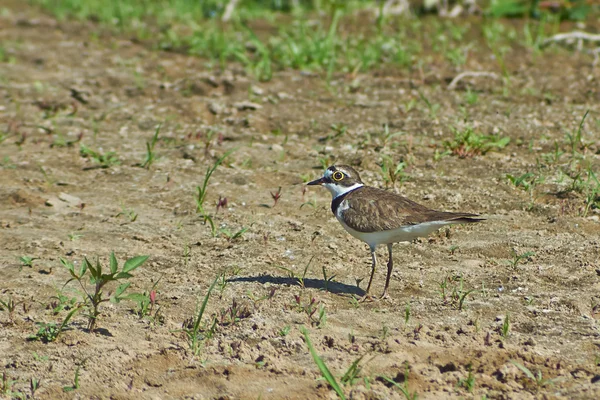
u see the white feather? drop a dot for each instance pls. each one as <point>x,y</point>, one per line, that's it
<point>338,190</point>
<point>404,233</point>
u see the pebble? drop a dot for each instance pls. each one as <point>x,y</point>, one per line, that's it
<point>247,105</point>
<point>216,108</point>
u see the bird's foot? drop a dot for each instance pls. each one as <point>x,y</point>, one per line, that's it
<point>367,297</point>
<point>385,296</point>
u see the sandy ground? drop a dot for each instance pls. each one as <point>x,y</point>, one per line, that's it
<point>109,94</point>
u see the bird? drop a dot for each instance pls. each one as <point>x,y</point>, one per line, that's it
<point>377,216</point>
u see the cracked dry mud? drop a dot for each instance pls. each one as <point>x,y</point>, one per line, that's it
<point>55,203</point>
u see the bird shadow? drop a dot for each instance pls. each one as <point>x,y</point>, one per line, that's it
<point>329,286</point>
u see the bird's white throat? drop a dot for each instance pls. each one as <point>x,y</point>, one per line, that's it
<point>338,190</point>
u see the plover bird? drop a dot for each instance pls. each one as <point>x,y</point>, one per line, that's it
<point>377,216</point>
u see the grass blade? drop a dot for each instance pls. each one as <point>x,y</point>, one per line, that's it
<point>203,306</point>
<point>524,369</point>
<point>322,367</point>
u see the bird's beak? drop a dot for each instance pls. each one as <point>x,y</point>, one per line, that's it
<point>319,181</point>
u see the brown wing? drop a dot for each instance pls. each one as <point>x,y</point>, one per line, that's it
<point>386,210</point>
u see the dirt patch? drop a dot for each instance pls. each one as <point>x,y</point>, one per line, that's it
<point>65,89</point>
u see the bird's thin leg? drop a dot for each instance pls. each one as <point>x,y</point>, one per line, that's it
<point>390,265</point>
<point>374,260</point>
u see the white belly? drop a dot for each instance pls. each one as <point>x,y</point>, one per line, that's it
<point>401,234</point>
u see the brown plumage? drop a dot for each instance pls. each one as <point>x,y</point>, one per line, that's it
<point>372,209</point>
<point>376,216</point>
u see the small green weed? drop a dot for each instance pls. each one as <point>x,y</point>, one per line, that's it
<point>351,376</point>
<point>432,107</point>
<point>505,328</point>
<point>74,236</point>
<point>408,395</point>
<point>6,385</point>
<point>310,309</point>
<point>150,155</point>
<point>527,182</point>
<point>471,97</point>
<point>299,278</point>
<point>468,143</point>
<point>494,34</point>
<point>26,261</point>
<point>322,317</point>
<point>34,385</point>
<point>95,297</point>
<point>75,384</point>
<point>61,141</point>
<point>517,258</point>
<point>575,139</point>
<point>146,303</point>
<point>194,332</point>
<point>201,194</point>
<point>6,162</point>
<point>233,314</point>
<point>49,332</point>
<point>105,160</point>
<point>9,305</point>
<point>327,279</point>
<point>62,302</point>
<point>591,193</point>
<point>391,172</point>
<point>337,131</point>
<point>537,378</point>
<point>468,383</point>
<point>452,291</point>
<point>385,332</point>
<point>231,236</point>
<point>284,331</point>
<point>129,213</point>
<point>5,56</point>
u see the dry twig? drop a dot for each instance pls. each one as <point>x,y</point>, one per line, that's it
<point>570,37</point>
<point>465,74</point>
<point>229,9</point>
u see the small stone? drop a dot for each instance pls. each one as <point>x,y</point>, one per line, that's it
<point>212,81</point>
<point>216,108</point>
<point>508,372</point>
<point>473,263</point>
<point>256,90</point>
<point>247,105</point>
<point>63,201</point>
<point>71,200</point>
<point>455,198</point>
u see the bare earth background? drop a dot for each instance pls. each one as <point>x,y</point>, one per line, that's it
<point>128,90</point>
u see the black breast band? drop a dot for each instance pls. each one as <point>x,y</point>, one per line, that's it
<point>338,200</point>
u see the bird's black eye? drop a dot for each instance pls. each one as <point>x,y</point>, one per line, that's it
<point>337,176</point>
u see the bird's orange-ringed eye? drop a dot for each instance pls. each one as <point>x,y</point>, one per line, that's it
<point>337,176</point>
